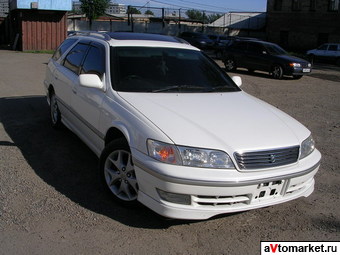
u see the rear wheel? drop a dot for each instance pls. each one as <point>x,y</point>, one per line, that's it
<point>277,72</point>
<point>230,64</point>
<point>117,172</point>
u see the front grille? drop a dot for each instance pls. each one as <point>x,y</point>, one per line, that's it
<point>267,159</point>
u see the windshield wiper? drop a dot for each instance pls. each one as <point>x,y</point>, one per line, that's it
<point>223,88</point>
<point>179,88</point>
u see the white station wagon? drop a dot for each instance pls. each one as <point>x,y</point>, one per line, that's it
<point>172,130</point>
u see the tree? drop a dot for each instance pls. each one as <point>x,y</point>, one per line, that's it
<point>133,10</point>
<point>94,8</point>
<point>148,12</point>
<point>201,16</point>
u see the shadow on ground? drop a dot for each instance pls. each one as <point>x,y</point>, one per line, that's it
<point>61,159</point>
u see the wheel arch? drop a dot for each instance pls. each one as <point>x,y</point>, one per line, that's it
<point>115,133</point>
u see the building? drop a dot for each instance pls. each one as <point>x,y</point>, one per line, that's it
<point>39,24</point>
<point>113,8</point>
<point>4,8</point>
<point>303,24</point>
<point>242,23</point>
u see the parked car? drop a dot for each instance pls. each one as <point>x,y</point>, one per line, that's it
<point>220,42</point>
<point>328,52</point>
<point>172,130</point>
<point>199,40</point>
<point>264,56</point>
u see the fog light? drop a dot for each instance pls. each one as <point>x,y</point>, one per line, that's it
<point>174,197</point>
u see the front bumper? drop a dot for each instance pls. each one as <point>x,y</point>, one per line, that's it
<point>221,191</point>
<point>298,70</point>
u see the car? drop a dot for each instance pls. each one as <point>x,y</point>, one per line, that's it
<point>220,42</point>
<point>264,56</point>
<point>172,130</point>
<point>199,40</point>
<point>328,52</point>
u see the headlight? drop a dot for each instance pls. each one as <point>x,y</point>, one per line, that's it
<point>307,147</point>
<point>295,64</point>
<point>164,152</point>
<point>188,156</point>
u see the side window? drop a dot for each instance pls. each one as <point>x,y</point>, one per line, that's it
<point>74,58</point>
<point>333,47</point>
<point>254,48</point>
<point>62,48</point>
<point>95,61</point>
<point>323,47</point>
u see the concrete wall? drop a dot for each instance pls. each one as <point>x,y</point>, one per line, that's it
<point>141,27</point>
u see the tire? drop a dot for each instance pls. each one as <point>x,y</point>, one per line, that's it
<point>230,64</point>
<point>55,112</point>
<point>297,77</point>
<point>337,62</point>
<point>277,72</point>
<point>117,173</point>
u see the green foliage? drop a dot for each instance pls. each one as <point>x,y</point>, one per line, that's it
<point>133,10</point>
<point>201,16</point>
<point>148,12</point>
<point>94,8</point>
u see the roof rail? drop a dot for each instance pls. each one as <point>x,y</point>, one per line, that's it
<point>100,35</point>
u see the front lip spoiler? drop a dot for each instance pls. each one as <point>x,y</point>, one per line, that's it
<point>222,183</point>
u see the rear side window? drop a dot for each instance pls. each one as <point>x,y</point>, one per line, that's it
<point>75,57</point>
<point>94,62</point>
<point>62,48</point>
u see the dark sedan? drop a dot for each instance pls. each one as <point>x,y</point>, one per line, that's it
<point>264,56</point>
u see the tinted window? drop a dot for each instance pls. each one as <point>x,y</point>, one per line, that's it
<point>333,47</point>
<point>141,69</point>
<point>75,56</point>
<point>62,48</point>
<point>240,45</point>
<point>94,62</point>
<point>323,47</point>
<point>255,48</point>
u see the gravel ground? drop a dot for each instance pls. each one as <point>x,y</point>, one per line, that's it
<point>50,203</point>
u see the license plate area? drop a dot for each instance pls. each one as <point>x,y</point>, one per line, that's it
<point>306,70</point>
<point>269,190</point>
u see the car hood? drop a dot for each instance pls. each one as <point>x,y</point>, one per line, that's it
<point>293,59</point>
<point>233,121</point>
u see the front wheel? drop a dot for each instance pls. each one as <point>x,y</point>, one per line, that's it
<point>55,112</point>
<point>277,72</point>
<point>117,172</point>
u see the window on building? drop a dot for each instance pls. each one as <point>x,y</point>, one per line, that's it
<point>333,5</point>
<point>277,5</point>
<point>296,5</point>
<point>312,5</point>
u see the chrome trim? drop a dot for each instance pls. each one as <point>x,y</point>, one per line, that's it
<point>267,158</point>
<point>92,128</point>
<point>221,183</point>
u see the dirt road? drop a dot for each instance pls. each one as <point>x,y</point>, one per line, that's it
<point>50,202</point>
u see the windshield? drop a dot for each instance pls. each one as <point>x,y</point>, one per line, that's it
<point>275,50</point>
<point>146,69</point>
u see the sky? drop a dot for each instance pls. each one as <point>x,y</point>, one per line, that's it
<point>210,5</point>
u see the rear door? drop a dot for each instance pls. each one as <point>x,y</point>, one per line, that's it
<point>66,77</point>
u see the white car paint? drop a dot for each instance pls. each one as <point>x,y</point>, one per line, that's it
<point>229,122</point>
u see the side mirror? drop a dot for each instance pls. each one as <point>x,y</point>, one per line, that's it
<point>237,80</point>
<point>90,81</point>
